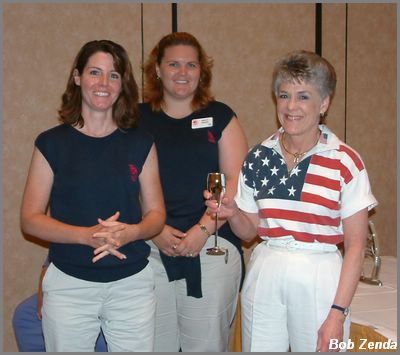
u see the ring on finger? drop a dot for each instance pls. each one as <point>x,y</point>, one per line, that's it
<point>173,246</point>
<point>190,255</point>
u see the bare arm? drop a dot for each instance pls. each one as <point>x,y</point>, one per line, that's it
<point>232,149</point>
<point>355,236</point>
<point>35,221</point>
<point>152,200</point>
<point>244,224</point>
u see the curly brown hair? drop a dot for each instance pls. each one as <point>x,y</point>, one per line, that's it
<point>125,109</point>
<point>153,91</point>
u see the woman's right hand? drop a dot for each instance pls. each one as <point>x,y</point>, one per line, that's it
<point>108,242</point>
<point>226,210</point>
<point>168,240</point>
<point>98,228</point>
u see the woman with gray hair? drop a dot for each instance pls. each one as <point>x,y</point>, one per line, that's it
<point>303,191</point>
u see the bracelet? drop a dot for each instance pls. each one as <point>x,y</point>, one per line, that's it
<point>204,229</point>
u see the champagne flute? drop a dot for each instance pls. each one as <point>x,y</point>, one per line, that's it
<point>216,185</point>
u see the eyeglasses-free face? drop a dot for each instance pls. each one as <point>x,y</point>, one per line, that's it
<point>100,83</point>
<point>179,72</point>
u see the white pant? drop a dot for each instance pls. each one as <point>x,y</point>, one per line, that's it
<point>286,296</point>
<point>75,309</point>
<point>197,324</point>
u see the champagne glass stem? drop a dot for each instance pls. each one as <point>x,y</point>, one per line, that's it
<point>216,228</point>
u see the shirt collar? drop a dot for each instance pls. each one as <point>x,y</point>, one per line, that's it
<point>327,141</point>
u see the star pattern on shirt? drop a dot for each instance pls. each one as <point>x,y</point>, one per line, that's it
<point>264,181</point>
<point>266,172</point>
<point>274,171</point>
<point>265,161</point>
<point>291,191</point>
<point>283,180</point>
<point>257,153</point>
<point>295,171</point>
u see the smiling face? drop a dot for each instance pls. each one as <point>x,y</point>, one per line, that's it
<point>100,84</point>
<point>179,72</point>
<point>299,106</point>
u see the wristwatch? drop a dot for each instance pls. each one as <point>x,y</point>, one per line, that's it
<point>344,310</point>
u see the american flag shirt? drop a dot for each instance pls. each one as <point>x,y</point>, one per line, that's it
<point>329,184</point>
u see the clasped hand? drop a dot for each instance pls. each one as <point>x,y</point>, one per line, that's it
<point>173,242</point>
<point>109,235</point>
<point>168,240</point>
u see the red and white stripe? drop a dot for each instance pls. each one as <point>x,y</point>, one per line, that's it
<point>316,217</point>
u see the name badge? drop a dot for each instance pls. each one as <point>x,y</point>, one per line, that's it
<point>202,122</point>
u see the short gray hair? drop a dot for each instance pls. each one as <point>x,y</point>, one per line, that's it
<point>308,67</point>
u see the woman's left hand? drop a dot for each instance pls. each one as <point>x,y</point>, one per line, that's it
<point>193,243</point>
<point>114,235</point>
<point>355,235</point>
<point>332,328</point>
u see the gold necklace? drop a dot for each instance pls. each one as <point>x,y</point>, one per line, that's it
<point>297,156</point>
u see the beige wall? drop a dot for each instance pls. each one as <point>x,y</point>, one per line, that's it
<point>245,40</point>
<point>40,41</point>
<point>371,107</point>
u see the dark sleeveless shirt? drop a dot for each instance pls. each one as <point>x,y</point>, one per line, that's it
<point>95,177</point>
<point>186,155</point>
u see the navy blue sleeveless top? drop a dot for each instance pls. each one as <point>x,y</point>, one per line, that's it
<point>95,177</point>
<point>186,155</point>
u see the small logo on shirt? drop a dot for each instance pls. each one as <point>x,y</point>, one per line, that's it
<point>211,137</point>
<point>134,172</point>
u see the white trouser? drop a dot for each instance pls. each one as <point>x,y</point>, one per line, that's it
<point>197,324</point>
<point>287,295</point>
<point>75,309</point>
